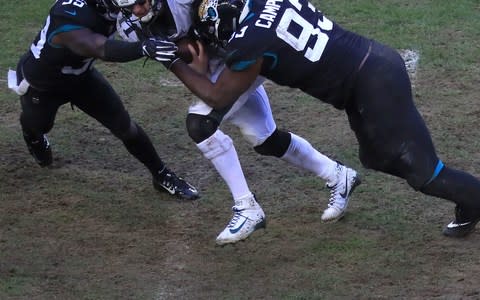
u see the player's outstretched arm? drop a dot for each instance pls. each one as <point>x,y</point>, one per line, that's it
<point>87,43</point>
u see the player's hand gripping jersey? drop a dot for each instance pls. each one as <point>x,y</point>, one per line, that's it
<point>292,34</point>
<point>172,21</point>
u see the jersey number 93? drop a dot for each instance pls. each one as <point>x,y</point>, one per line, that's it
<point>299,42</point>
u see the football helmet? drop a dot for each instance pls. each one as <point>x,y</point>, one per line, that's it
<point>106,8</point>
<point>126,7</point>
<point>217,20</point>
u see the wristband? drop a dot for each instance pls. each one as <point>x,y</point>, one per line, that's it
<point>169,64</point>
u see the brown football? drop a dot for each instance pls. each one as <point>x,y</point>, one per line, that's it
<point>183,51</point>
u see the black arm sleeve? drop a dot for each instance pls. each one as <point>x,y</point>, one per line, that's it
<point>121,51</point>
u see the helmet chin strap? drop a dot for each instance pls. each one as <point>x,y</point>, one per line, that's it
<point>145,19</point>
<point>110,16</point>
<point>148,17</point>
<point>155,7</point>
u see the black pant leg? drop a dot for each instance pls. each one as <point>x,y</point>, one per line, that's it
<point>393,136</point>
<point>99,100</point>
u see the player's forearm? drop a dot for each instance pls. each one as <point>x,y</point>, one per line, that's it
<point>202,87</point>
<point>121,51</point>
<point>88,44</point>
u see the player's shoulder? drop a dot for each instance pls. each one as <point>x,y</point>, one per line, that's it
<point>249,37</point>
<point>74,12</point>
<point>184,2</point>
<point>239,56</point>
<point>246,46</point>
<point>180,5</point>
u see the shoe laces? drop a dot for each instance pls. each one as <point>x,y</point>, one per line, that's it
<point>42,143</point>
<point>169,179</point>
<point>46,144</point>
<point>463,216</point>
<point>335,189</point>
<point>458,211</point>
<point>236,216</point>
<point>334,196</point>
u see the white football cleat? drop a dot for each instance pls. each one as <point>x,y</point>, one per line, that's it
<point>340,190</point>
<point>248,216</point>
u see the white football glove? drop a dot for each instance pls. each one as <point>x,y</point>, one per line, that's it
<point>161,50</point>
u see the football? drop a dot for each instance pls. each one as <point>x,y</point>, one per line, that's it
<point>183,51</point>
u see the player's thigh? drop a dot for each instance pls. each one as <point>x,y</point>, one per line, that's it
<point>251,113</point>
<point>39,109</point>
<point>392,135</point>
<point>254,118</point>
<point>100,101</point>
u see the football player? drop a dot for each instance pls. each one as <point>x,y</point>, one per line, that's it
<point>293,44</point>
<point>251,113</point>
<point>58,68</point>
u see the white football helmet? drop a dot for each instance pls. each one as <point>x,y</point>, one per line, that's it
<point>106,8</point>
<point>126,7</point>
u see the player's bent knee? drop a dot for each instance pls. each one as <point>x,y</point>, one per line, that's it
<point>416,182</point>
<point>421,172</point>
<point>200,127</point>
<point>217,144</point>
<point>275,145</point>
<point>130,133</point>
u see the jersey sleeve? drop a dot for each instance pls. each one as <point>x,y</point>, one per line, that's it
<point>128,28</point>
<point>73,16</point>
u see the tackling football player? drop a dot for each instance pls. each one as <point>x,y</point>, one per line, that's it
<point>292,43</point>
<point>251,113</point>
<point>58,68</point>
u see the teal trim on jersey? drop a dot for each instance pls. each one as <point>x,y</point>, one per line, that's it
<point>438,168</point>
<point>250,15</point>
<point>275,59</point>
<point>242,65</point>
<point>64,28</point>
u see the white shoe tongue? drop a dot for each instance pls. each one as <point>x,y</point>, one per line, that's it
<point>245,202</point>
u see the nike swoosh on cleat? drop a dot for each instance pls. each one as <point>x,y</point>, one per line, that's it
<point>344,194</point>
<point>171,190</point>
<point>455,225</point>
<point>238,228</point>
<point>72,13</point>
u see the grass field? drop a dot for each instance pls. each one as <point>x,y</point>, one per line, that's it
<point>92,227</point>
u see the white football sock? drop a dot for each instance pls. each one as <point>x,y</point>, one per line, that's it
<point>302,154</point>
<point>219,149</point>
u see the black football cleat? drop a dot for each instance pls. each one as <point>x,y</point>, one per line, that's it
<point>167,181</point>
<point>464,223</point>
<point>40,149</point>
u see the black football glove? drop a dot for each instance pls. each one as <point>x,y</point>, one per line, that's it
<point>160,50</point>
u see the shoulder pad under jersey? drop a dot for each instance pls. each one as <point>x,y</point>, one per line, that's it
<point>127,28</point>
<point>243,52</point>
<point>74,13</point>
<point>185,1</point>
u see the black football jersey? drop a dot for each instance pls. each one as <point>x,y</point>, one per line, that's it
<point>301,48</point>
<point>48,60</point>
